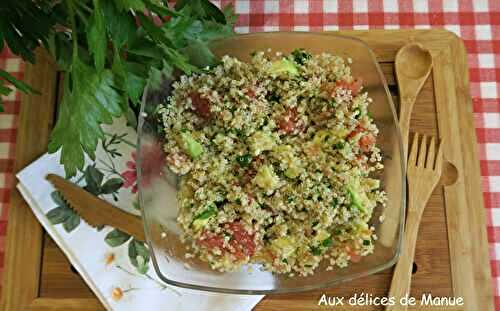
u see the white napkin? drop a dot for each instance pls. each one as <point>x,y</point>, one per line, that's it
<point>108,270</point>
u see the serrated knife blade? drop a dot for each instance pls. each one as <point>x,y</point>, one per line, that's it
<point>95,211</point>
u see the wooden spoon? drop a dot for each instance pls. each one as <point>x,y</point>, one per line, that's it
<point>413,66</point>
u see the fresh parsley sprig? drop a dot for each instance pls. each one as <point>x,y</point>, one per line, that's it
<point>24,25</point>
<point>109,50</point>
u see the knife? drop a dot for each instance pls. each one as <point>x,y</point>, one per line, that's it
<point>95,211</point>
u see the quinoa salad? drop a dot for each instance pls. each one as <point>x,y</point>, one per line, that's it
<point>277,158</point>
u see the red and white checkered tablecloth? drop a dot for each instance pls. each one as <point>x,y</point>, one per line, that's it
<point>476,22</point>
<point>8,128</point>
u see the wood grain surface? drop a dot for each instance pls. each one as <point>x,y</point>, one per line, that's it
<point>50,284</point>
<point>24,234</point>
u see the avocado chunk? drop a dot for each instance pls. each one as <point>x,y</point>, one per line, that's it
<point>292,172</point>
<point>354,197</point>
<point>358,197</point>
<point>284,245</point>
<point>190,145</point>
<point>266,178</point>
<point>284,66</point>
<point>202,218</point>
<point>261,141</point>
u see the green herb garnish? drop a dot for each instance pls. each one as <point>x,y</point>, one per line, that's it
<point>335,203</point>
<point>368,113</point>
<point>244,160</point>
<point>316,251</point>
<point>300,56</point>
<point>238,132</point>
<point>209,212</point>
<point>273,97</point>
<point>338,146</point>
<point>327,242</point>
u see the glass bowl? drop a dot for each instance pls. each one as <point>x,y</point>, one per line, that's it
<point>158,187</point>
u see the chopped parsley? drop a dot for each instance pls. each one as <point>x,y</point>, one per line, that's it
<point>368,113</point>
<point>335,203</point>
<point>340,145</point>
<point>209,212</point>
<point>300,56</point>
<point>244,160</point>
<point>327,242</point>
<point>238,132</point>
<point>273,97</point>
<point>316,251</point>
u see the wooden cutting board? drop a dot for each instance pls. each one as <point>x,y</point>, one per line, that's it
<point>452,251</point>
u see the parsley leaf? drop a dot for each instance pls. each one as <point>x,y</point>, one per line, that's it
<point>119,27</point>
<point>129,79</point>
<point>96,36</point>
<point>229,14</point>
<point>90,102</point>
<point>163,11</point>
<point>5,90</point>
<point>20,85</point>
<point>25,25</point>
<point>202,9</point>
<point>157,75</point>
<point>124,5</point>
<point>199,54</point>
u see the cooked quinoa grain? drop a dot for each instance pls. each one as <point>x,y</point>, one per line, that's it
<point>276,157</point>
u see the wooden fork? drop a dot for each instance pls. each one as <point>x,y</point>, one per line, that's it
<point>423,172</point>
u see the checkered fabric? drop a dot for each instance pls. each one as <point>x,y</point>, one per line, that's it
<point>8,126</point>
<point>476,22</point>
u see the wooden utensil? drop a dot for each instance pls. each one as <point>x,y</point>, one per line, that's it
<point>423,173</point>
<point>413,65</point>
<point>95,211</point>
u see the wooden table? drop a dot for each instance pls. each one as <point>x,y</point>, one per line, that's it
<point>452,251</point>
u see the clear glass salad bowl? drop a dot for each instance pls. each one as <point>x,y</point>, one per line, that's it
<point>158,187</point>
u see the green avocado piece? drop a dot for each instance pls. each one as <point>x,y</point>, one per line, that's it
<point>284,65</point>
<point>355,198</point>
<point>190,145</point>
<point>202,218</point>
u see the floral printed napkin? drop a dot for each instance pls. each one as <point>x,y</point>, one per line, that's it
<point>115,266</point>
